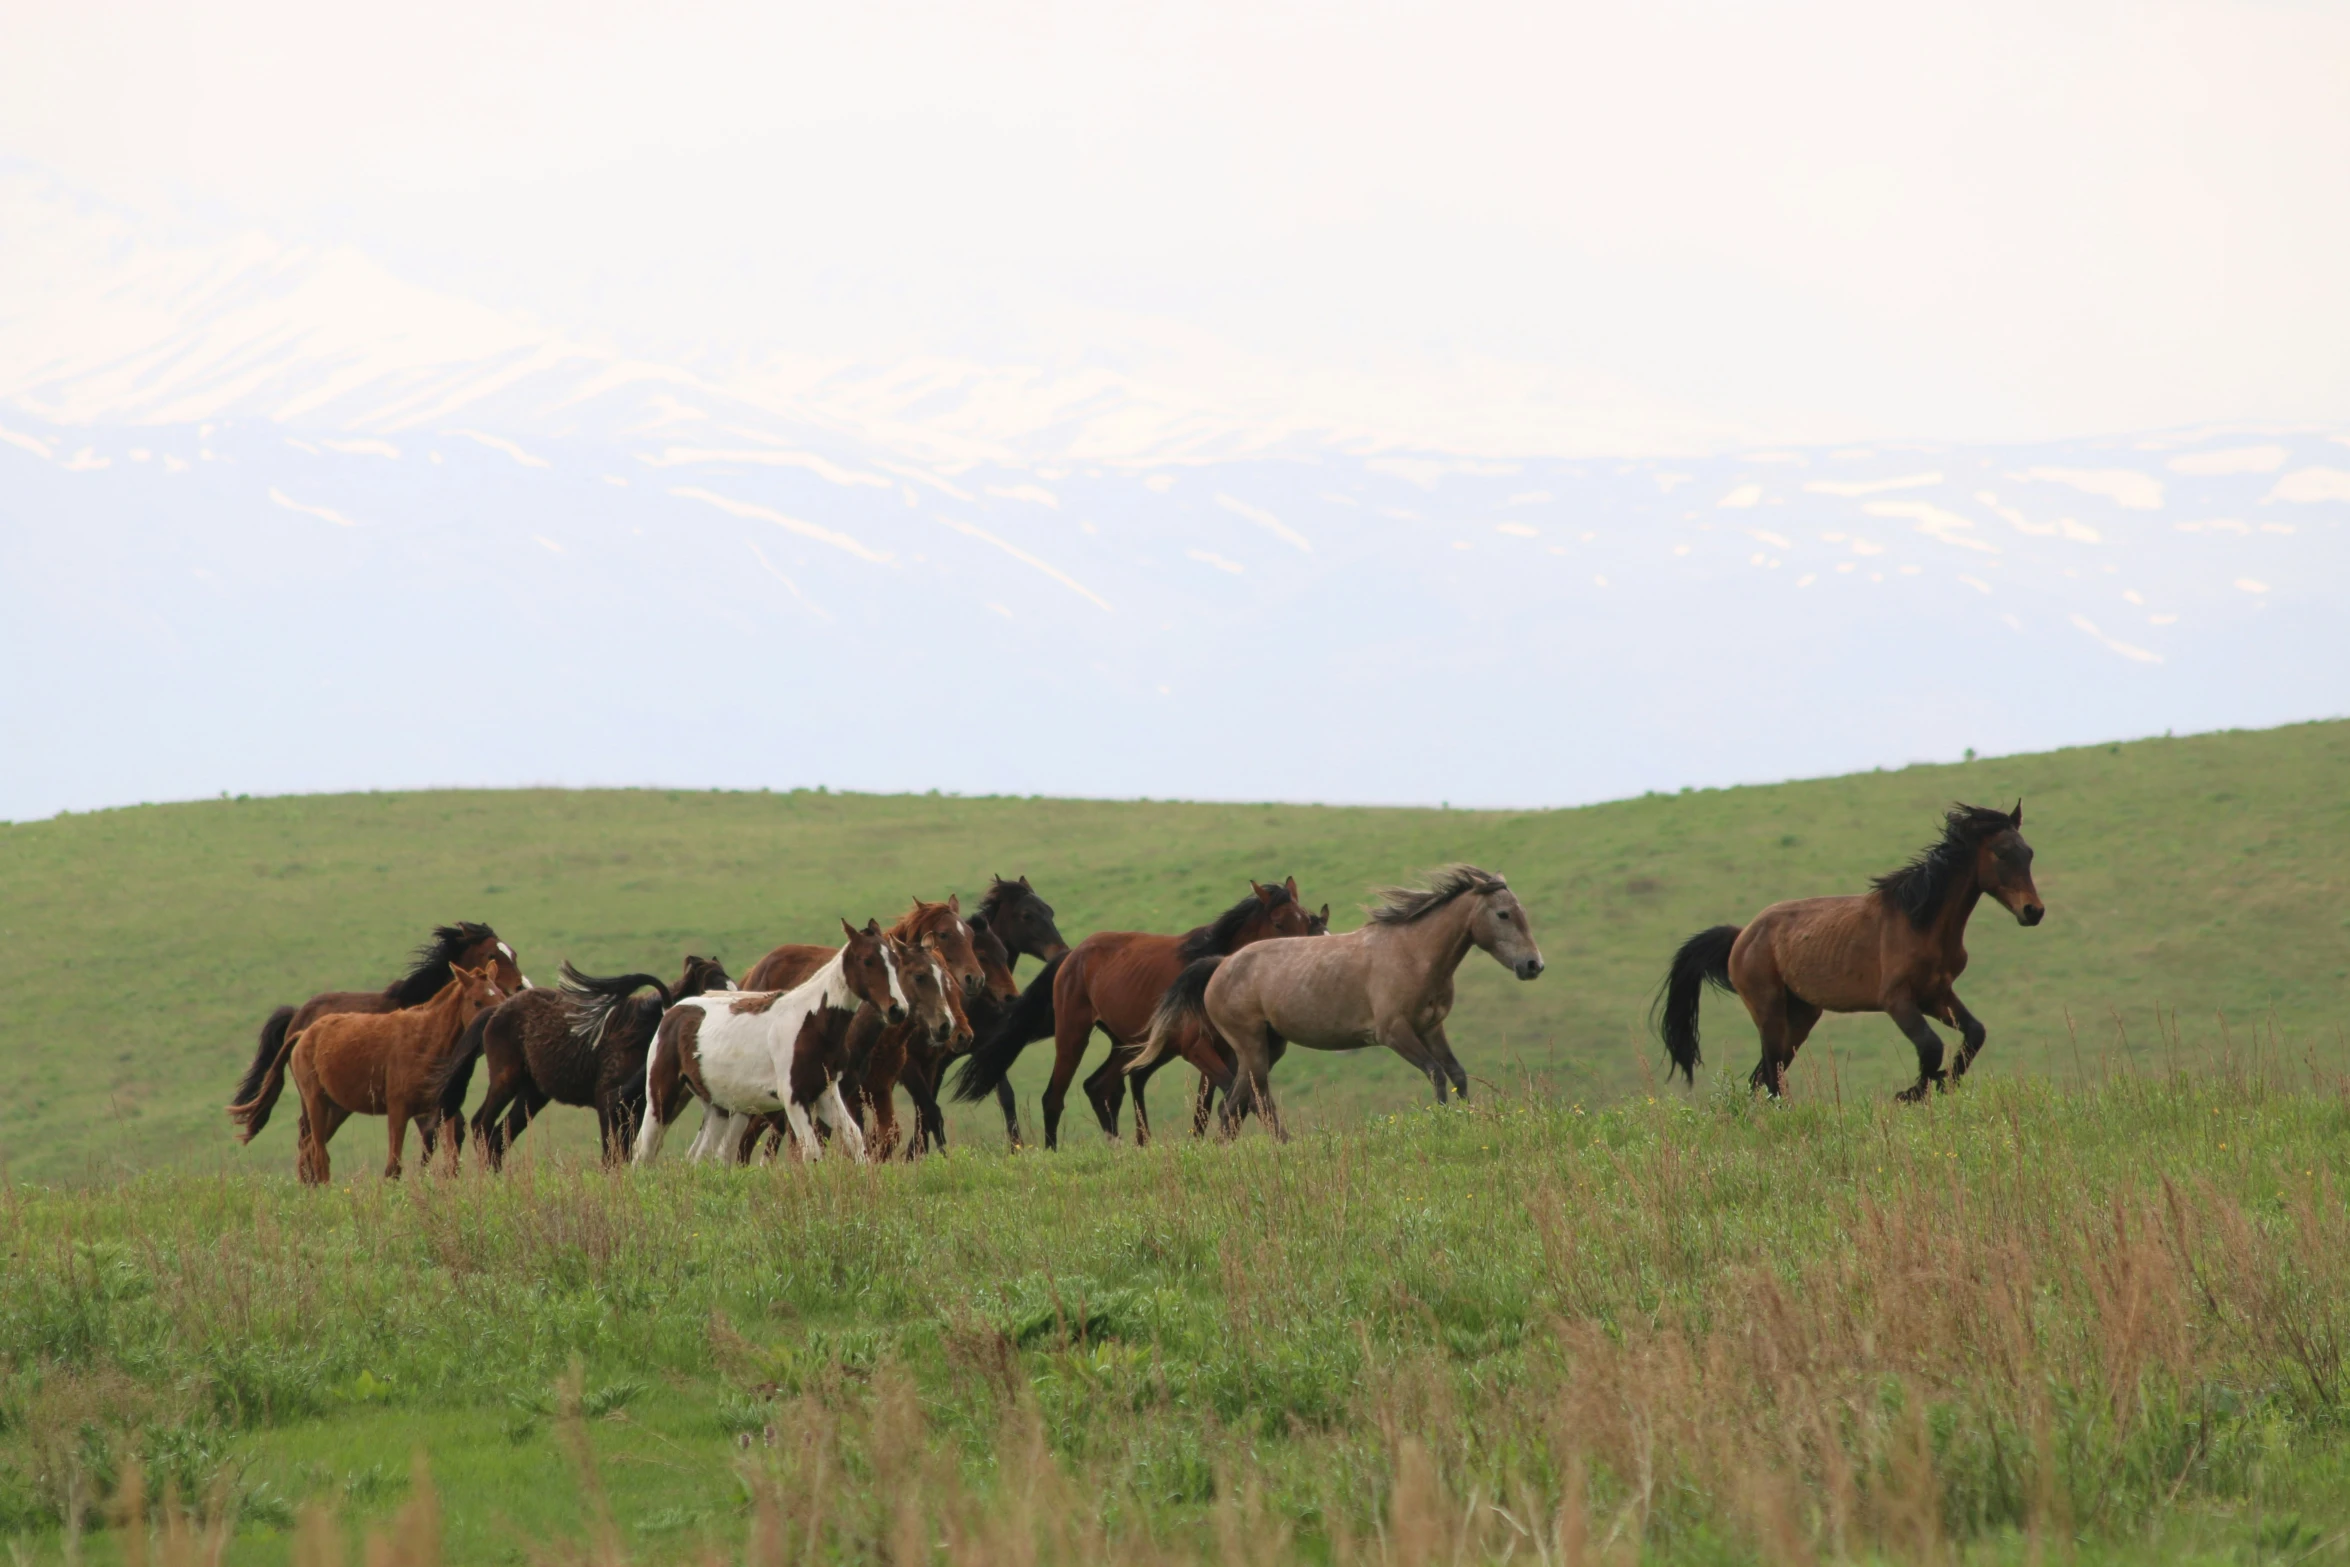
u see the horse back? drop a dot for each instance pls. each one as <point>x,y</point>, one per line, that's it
<point>1121,974</point>
<point>788,967</point>
<point>330,1003</point>
<point>1321,992</point>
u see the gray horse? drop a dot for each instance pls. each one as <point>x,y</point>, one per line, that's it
<point>1389,983</point>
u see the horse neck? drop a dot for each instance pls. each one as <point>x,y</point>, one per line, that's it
<point>829,986</point>
<point>447,1017</point>
<point>1442,937</point>
<point>1958,906</point>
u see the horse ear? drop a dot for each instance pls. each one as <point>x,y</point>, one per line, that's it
<point>1325,913</point>
<point>1258,888</point>
<point>2015,818</point>
<point>851,929</point>
<point>1024,882</point>
<point>954,903</point>
<point>872,926</point>
<point>1291,885</point>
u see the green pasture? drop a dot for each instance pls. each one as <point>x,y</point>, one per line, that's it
<point>2198,893</point>
<point>2094,1307</point>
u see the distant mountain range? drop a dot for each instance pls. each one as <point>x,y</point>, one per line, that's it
<point>272,519</point>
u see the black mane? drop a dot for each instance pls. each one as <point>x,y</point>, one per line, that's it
<point>1919,888</point>
<point>1403,905</point>
<point>430,969</point>
<point>1215,939</point>
<point>999,892</point>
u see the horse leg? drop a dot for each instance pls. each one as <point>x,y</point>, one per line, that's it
<point>397,1114</point>
<point>1203,1104</point>
<point>796,1116</point>
<point>1011,1108</point>
<point>1072,1031</point>
<point>1106,1088</point>
<point>1972,1034</point>
<point>1441,1048</point>
<point>835,1112</point>
<point>930,1126</point>
<point>1252,1070</point>
<point>1911,1021</point>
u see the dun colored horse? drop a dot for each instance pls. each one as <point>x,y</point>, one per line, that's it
<point>1389,983</point>
<point>465,942</point>
<point>1897,948</point>
<point>372,1063</point>
<point>1113,980</point>
<point>582,1045</point>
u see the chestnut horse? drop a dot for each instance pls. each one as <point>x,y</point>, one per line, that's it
<point>1897,948</point>
<point>1389,983</point>
<point>1113,980</point>
<point>464,942</point>
<point>372,1063</point>
<point>582,1045</point>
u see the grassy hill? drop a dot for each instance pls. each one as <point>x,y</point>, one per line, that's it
<point>2198,893</point>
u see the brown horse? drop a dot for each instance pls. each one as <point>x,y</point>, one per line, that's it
<point>582,1045</point>
<point>1897,948</point>
<point>1389,983</point>
<point>1207,1055</point>
<point>373,1063</point>
<point>465,942</point>
<point>1012,923</point>
<point>1113,980</point>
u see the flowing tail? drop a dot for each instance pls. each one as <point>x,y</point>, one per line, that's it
<point>265,1079</point>
<point>1030,1020</point>
<point>594,1000</point>
<point>1185,1005</point>
<point>1703,959</point>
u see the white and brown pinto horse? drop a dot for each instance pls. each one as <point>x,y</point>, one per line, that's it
<point>746,1054</point>
<point>1389,983</point>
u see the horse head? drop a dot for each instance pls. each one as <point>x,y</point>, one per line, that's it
<point>700,976</point>
<point>478,989</point>
<point>872,976</point>
<point>2003,868</point>
<point>1278,912</point>
<point>1022,921</point>
<point>490,951</point>
<point>1500,927</point>
<point>924,980</point>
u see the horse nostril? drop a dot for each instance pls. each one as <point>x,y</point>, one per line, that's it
<point>897,1014</point>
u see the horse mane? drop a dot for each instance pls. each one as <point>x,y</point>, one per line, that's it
<point>910,922</point>
<point>1215,938</point>
<point>429,970</point>
<point>1919,888</point>
<point>1404,905</point>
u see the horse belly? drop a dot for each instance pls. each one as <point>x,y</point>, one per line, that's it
<point>1823,956</point>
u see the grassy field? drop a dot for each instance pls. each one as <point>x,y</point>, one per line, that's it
<point>2094,1307</point>
<point>2188,881</point>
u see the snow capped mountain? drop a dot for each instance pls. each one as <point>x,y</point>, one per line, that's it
<point>272,519</point>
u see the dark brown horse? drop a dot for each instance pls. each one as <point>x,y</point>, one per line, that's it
<point>372,1063</point>
<point>581,1045</point>
<point>1896,949</point>
<point>467,943</point>
<point>1113,980</point>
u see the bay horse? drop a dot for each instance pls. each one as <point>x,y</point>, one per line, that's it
<point>1897,948</point>
<point>1020,924</point>
<point>465,942</point>
<point>751,1053</point>
<point>1113,980</point>
<point>1389,983</point>
<point>372,1063</point>
<point>584,1044</point>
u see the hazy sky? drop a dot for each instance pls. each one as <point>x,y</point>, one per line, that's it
<point>1741,222</point>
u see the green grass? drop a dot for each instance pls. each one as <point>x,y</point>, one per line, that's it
<point>2096,1303</point>
<point>2202,877</point>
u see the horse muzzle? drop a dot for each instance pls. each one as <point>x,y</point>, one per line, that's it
<point>1528,968</point>
<point>2031,914</point>
<point>895,1014</point>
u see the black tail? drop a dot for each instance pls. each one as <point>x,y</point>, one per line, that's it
<point>594,1000</point>
<point>257,1094</point>
<point>273,1039</point>
<point>1703,959</point>
<point>1184,1004</point>
<point>1030,1020</point>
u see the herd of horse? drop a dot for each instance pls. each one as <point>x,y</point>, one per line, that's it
<point>822,1036</point>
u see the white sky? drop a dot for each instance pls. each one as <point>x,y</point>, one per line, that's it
<point>1760,222</point>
